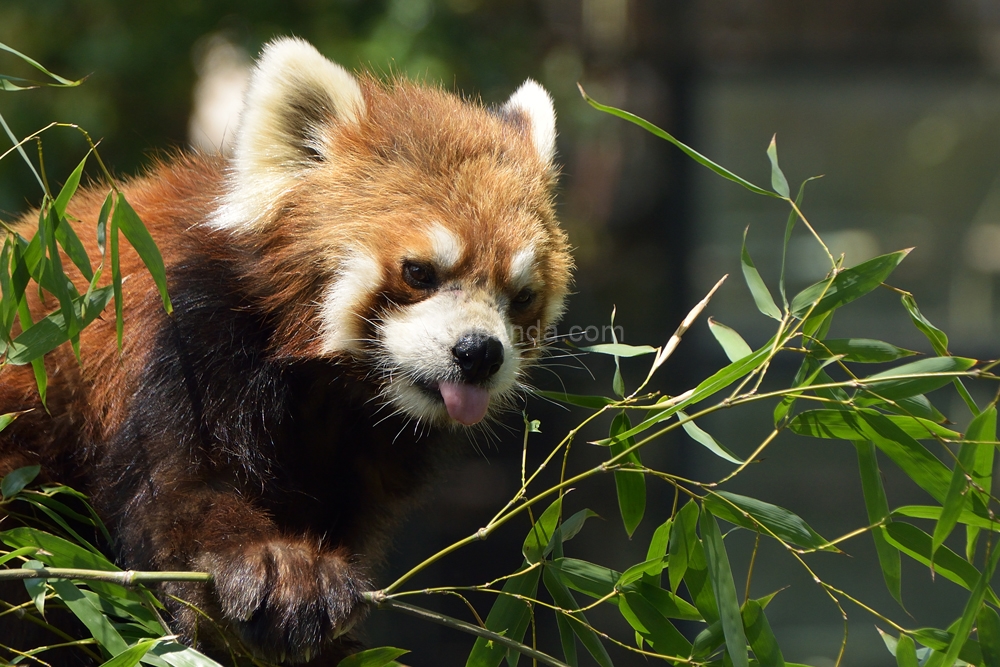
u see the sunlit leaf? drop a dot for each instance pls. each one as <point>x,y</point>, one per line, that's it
<point>988,629</point>
<point>844,425</point>
<point>682,539</point>
<point>761,295</point>
<point>778,181</point>
<point>658,550</point>
<point>541,532</point>
<point>937,338</point>
<point>860,350</point>
<point>885,385</point>
<point>126,219</point>
<point>655,629</point>
<point>620,349</point>
<point>906,652</point>
<point>131,656</point>
<point>36,588</point>
<point>846,286</point>
<point>703,438</point>
<point>98,624</point>
<point>732,343</point>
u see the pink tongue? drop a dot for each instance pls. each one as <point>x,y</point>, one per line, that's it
<point>466,403</point>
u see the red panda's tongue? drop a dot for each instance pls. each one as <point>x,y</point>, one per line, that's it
<point>466,403</point>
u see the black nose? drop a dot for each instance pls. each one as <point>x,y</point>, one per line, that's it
<point>478,355</point>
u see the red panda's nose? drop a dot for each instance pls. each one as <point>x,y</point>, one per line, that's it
<point>478,355</point>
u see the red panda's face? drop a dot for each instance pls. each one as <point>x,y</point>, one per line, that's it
<point>424,225</point>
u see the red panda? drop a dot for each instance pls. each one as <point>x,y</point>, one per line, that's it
<point>364,278</point>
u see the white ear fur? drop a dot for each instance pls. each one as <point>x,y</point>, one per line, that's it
<point>534,105</point>
<point>293,92</point>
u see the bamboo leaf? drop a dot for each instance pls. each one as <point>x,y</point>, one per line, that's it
<point>98,625</point>
<point>916,544</point>
<point>860,350</point>
<point>877,506</point>
<point>955,500</point>
<point>540,535</point>
<point>846,286</point>
<point>126,219</point>
<point>631,486</point>
<point>793,217</point>
<point>660,633</point>
<point>577,620</point>
<point>844,425</point>
<point>592,402</point>
<point>509,616</point>
<point>778,181</point>
<point>658,551</point>
<point>60,81</point>
<point>906,652</point>
<point>988,629</point>
<point>690,152</point>
<point>52,331</point>
<point>914,406</point>
<point>809,372</point>
<point>761,295</point>
<point>373,657</point>
<point>752,514</point>
<point>620,349</point>
<point>14,481</point>
<point>937,338</point>
<point>703,438</point>
<point>732,343</point>
<point>761,637</point>
<point>36,588</point>
<point>132,655</point>
<point>721,576</point>
<point>885,386</point>
<point>682,539</point>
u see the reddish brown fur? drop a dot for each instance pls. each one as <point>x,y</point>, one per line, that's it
<point>194,471</point>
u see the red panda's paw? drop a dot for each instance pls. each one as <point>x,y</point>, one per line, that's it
<point>287,599</point>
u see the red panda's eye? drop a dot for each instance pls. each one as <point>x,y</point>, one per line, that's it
<point>523,298</point>
<point>419,276</point>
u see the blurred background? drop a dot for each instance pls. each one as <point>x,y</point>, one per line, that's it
<point>897,102</point>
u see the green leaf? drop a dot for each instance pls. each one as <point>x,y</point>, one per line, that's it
<point>509,616</point>
<point>988,628</point>
<point>846,286</point>
<point>98,625</point>
<point>860,350</point>
<point>657,551</point>
<point>541,532</point>
<point>906,652</point>
<point>373,657</point>
<point>131,656</point>
<point>984,429</point>
<point>578,621</point>
<point>933,512</point>
<point>778,181</point>
<point>64,232</point>
<point>809,371</point>
<point>752,513</point>
<point>36,587</point>
<point>916,544</point>
<point>700,436</point>
<point>14,481</point>
<point>631,486</point>
<point>568,529</point>
<point>969,615</point>
<point>955,500</point>
<point>938,640</point>
<point>732,343</point>
<point>592,402</point>
<point>126,219</point>
<point>761,637</point>
<point>635,573</point>
<point>660,633</point>
<point>17,553</point>
<point>60,81</point>
<point>793,217</point>
<point>620,349</point>
<point>877,506</point>
<point>683,536</point>
<point>177,655</point>
<point>844,425</point>
<point>761,295</point>
<point>721,576</point>
<point>690,152</point>
<point>937,338</point>
<point>885,385</point>
<point>52,331</point>
<point>699,584</point>
<point>914,406</point>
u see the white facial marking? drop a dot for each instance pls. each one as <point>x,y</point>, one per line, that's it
<point>417,346</point>
<point>359,274</point>
<point>522,266</point>
<point>536,104</point>
<point>446,245</point>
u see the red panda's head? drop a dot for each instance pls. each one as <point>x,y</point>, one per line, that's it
<point>399,229</point>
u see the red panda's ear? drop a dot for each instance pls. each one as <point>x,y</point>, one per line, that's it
<point>294,93</point>
<point>532,105</point>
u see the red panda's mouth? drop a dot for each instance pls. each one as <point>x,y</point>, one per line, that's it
<point>466,403</point>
